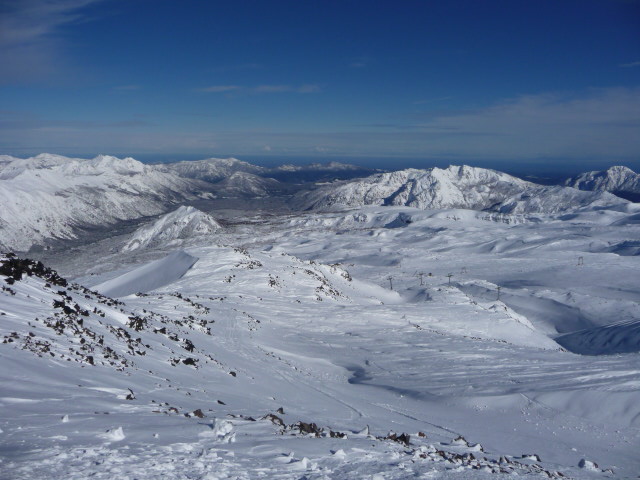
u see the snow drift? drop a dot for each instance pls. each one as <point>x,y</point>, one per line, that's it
<point>148,277</point>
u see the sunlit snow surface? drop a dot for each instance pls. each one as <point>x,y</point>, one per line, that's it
<point>302,317</point>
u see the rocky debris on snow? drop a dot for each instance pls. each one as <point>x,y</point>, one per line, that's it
<point>84,326</point>
<point>276,420</point>
<point>307,428</point>
<point>588,465</point>
<point>403,438</point>
<point>14,268</point>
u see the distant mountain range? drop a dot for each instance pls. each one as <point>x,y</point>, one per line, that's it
<point>218,169</point>
<point>50,197</point>
<point>454,187</point>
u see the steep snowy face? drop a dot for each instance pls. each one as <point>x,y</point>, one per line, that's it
<point>453,187</point>
<point>614,179</point>
<point>185,222</point>
<point>48,196</point>
<point>211,169</point>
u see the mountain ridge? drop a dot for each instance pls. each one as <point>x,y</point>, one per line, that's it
<point>454,187</point>
<point>51,196</point>
<point>618,179</point>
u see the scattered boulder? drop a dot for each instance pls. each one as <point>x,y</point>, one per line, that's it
<point>588,465</point>
<point>276,420</point>
<point>308,428</point>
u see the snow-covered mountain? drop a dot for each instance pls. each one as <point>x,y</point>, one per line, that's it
<point>318,172</point>
<point>216,170</point>
<point>618,179</point>
<point>244,184</point>
<point>50,196</point>
<point>454,187</point>
<point>211,169</point>
<point>6,160</point>
<point>183,223</point>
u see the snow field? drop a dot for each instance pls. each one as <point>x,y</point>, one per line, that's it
<point>321,335</point>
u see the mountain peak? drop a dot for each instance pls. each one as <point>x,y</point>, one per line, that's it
<point>183,223</point>
<point>617,179</point>
<point>453,187</point>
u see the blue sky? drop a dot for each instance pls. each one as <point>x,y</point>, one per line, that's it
<point>461,80</point>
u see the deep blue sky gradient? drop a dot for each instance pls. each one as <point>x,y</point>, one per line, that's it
<point>517,81</point>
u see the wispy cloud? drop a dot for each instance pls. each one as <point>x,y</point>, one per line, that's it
<point>271,89</point>
<point>26,121</point>
<point>594,124</point>
<point>307,88</point>
<point>630,65</point>
<point>240,66</point>
<point>30,44</point>
<point>219,88</point>
<point>432,100</point>
<point>260,89</point>
<point>599,122</point>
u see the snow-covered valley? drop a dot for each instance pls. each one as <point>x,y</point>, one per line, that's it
<point>307,344</point>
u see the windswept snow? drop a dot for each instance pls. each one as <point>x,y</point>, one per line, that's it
<point>148,277</point>
<point>183,223</point>
<point>618,337</point>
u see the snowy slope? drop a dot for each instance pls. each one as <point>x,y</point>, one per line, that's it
<point>259,364</point>
<point>49,196</point>
<point>454,187</point>
<point>357,344</point>
<point>183,223</point>
<point>619,337</point>
<point>615,179</point>
<point>5,160</point>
